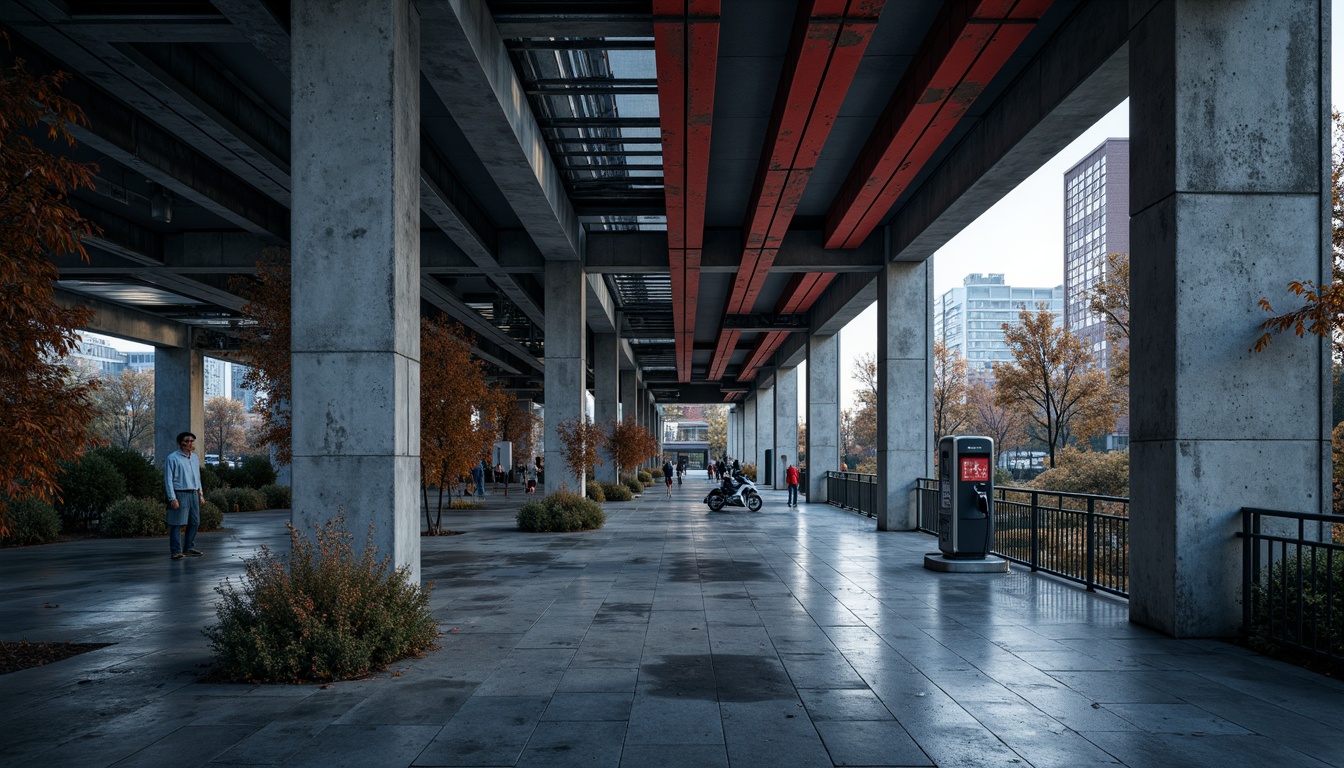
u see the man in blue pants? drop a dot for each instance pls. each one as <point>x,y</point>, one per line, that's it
<point>182,482</point>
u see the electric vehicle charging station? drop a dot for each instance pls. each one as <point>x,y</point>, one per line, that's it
<point>965,506</point>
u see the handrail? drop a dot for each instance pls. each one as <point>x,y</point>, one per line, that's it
<point>1292,583</point>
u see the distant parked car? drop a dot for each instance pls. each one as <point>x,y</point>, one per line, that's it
<point>212,459</point>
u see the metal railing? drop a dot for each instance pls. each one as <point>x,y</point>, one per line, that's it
<point>1080,537</point>
<point>852,490</point>
<point>1292,586</point>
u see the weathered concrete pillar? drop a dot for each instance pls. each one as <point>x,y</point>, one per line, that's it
<point>1230,172</point>
<point>355,262</point>
<point>524,458</point>
<point>749,437</point>
<point>823,413</point>
<point>179,399</point>
<point>786,423</point>
<point>904,389</point>
<point>606,386</point>
<point>629,391</point>
<point>765,436</point>
<point>566,371</point>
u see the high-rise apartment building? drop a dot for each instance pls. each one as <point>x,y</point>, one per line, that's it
<point>970,319</point>
<point>1096,223</point>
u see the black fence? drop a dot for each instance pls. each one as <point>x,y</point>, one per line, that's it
<point>1292,581</point>
<point>852,490</point>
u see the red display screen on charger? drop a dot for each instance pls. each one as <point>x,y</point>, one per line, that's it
<point>975,469</point>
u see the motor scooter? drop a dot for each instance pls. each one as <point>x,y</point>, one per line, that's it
<point>736,491</point>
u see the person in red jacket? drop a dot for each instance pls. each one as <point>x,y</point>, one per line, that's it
<point>791,477</point>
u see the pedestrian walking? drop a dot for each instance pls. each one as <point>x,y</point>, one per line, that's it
<point>668,471</point>
<point>791,477</point>
<point>182,482</point>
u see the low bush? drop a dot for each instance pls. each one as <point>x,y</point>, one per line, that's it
<point>219,498</point>
<point>254,472</point>
<point>634,485</point>
<point>1076,471</point>
<point>464,504</point>
<point>242,500</point>
<point>560,511</point>
<point>645,478</point>
<point>616,492</point>
<point>135,517</point>
<point>594,491</point>
<point>142,480</point>
<point>277,496</point>
<point>750,471</point>
<point>323,613</point>
<point>656,473</point>
<point>89,485</point>
<point>1300,601</point>
<point>31,521</point>
<point>212,517</point>
<point>210,479</point>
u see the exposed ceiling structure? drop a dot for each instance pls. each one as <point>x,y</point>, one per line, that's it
<point>723,168</point>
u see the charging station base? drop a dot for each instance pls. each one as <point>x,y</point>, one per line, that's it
<point>936,561</point>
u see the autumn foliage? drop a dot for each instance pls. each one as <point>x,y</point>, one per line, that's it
<point>629,444</point>
<point>265,342</point>
<point>579,440</point>
<point>45,413</point>
<point>459,410</point>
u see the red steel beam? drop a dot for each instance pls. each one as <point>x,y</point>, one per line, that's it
<point>686,45</point>
<point>829,39</point>
<point>802,292</point>
<point>970,42</point>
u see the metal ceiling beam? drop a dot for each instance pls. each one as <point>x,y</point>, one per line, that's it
<point>434,293</point>
<point>828,43</point>
<point>969,43</point>
<point>268,34</point>
<point>686,49</point>
<point>646,252</point>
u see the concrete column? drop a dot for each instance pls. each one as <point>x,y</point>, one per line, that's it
<point>629,390</point>
<point>566,308</point>
<point>524,458</point>
<point>765,434</point>
<point>606,386</point>
<point>749,436</point>
<point>904,389</point>
<point>1230,194</point>
<point>786,422</point>
<point>179,398</point>
<point>356,270</point>
<point>823,413</point>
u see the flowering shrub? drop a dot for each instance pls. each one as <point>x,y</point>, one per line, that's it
<point>561,511</point>
<point>324,613</point>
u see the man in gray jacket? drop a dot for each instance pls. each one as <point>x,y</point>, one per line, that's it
<point>182,482</point>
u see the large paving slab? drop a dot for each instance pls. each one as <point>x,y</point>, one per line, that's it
<point>671,637</point>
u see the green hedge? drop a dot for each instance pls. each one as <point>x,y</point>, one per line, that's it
<point>634,485</point>
<point>1310,587</point>
<point>31,521</point>
<point>277,496</point>
<point>594,491</point>
<point>656,473</point>
<point>142,480</point>
<point>254,472</point>
<point>212,517</point>
<point>89,485</point>
<point>238,499</point>
<point>616,492</point>
<point>561,511</point>
<point>645,478</point>
<point>135,517</point>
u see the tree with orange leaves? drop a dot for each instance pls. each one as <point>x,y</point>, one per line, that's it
<point>516,425</point>
<point>45,411</point>
<point>629,443</point>
<point>458,410</point>
<point>579,439</point>
<point>265,342</point>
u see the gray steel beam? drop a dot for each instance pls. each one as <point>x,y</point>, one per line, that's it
<point>436,294</point>
<point>254,20</point>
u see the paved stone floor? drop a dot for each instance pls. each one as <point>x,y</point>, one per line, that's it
<point>671,637</point>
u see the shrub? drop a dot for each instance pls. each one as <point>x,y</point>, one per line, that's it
<point>89,485</point>
<point>1309,589</point>
<point>594,491</point>
<point>634,485</point>
<point>31,521</point>
<point>212,517</point>
<point>1003,477</point>
<point>656,473</point>
<point>464,504</point>
<point>750,471</point>
<point>134,517</point>
<point>254,472</point>
<point>220,499</point>
<point>242,500</point>
<point>324,613</point>
<point>645,478</point>
<point>210,479</point>
<point>560,511</point>
<point>1078,471</point>
<point>228,476</point>
<point>277,496</point>
<point>616,492</point>
<point>142,480</point>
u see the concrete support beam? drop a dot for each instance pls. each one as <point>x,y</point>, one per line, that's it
<point>125,323</point>
<point>765,437</point>
<point>1230,180</point>
<point>179,398</point>
<point>823,413</point>
<point>905,390</point>
<point>786,422</point>
<point>606,385</point>
<point>750,437</point>
<point>629,393</point>
<point>566,368</point>
<point>356,408</point>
